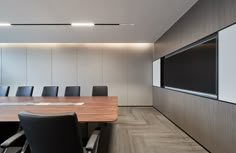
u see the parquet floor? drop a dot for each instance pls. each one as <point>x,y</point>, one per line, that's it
<point>145,130</point>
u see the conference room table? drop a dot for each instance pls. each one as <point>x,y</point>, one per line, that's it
<point>88,109</point>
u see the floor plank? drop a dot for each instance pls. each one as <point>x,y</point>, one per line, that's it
<point>145,130</point>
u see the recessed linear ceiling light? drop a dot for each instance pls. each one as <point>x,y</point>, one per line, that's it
<point>82,24</point>
<point>5,24</point>
<point>127,24</point>
<point>100,24</point>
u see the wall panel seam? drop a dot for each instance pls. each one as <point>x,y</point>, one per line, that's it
<point>102,52</point>
<point>127,74</point>
<point>26,65</point>
<point>77,66</point>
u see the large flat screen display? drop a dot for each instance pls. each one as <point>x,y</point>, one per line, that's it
<point>193,69</point>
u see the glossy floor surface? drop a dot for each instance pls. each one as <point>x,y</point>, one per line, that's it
<point>145,130</point>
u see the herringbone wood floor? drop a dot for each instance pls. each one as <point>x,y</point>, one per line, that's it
<point>145,130</point>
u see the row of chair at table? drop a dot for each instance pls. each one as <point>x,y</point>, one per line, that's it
<point>53,91</point>
<point>69,136</point>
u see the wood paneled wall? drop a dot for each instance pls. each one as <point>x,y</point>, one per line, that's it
<point>212,123</point>
<point>125,68</point>
<point>203,19</point>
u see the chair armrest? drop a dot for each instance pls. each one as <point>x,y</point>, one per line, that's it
<point>12,139</point>
<point>93,141</point>
<point>24,148</point>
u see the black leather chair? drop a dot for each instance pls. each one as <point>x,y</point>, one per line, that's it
<point>8,145</point>
<point>50,91</point>
<point>100,91</point>
<point>4,91</point>
<point>75,91</point>
<point>72,91</point>
<point>25,91</point>
<point>15,142</point>
<point>56,133</point>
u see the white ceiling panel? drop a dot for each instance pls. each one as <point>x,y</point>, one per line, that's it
<point>151,18</point>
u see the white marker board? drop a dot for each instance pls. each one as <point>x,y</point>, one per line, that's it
<point>227,64</point>
<point>157,73</point>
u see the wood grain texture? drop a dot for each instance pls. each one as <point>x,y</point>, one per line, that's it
<point>210,122</point>
<point>203,19</point>
<point>94,109</point>
<point>145,130</point>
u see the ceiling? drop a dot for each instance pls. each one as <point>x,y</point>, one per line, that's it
<point>151,18</point>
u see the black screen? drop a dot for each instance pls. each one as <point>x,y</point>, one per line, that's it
<point>193,69</point>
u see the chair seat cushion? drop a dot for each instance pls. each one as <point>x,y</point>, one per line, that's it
<point>13,150</point>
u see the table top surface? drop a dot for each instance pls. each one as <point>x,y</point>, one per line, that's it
<point>88,109</point>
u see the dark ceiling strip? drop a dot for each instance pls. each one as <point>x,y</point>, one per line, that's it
<point>107,24</point>
<point>46,24</point>
<point>62,24</point>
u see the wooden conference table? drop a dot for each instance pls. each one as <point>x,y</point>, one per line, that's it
<point>88,109</point>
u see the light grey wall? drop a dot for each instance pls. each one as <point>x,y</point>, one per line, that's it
<point>14,67</point>
<point>212,123</point>
<point>39,68</point>
<point>125,68</point>
<point>227,72</point>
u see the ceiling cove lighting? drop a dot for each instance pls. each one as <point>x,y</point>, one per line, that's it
<point>82,24</point>
<point>5,24</point>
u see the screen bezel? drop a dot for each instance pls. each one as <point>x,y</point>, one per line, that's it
<point>199,42</point>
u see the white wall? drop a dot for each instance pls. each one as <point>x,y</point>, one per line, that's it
<point>14,67</point>
<point>125,68</point>
<point>157,73</point>
<point>227,63</point>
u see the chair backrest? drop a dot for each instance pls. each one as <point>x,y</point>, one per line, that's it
<point>72,91</point>
<point>4,90</point>
<point>50,91</point>
<point>25,91</point>
<point>52,133</point>
<point>100,91</point>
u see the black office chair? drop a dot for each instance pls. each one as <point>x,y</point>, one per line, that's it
<point>25,91</point>
<point>50,91</point>
<point>56,133</point>
<point>8,145</point>
<point>11,150</point>
<point>4,91</point>
<point>100,91</point>
<point>72,91</point>
<point>13,144</point>
<point>75,91</point>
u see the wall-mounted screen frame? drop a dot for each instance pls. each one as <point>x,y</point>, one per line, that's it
<point>193,69</point>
